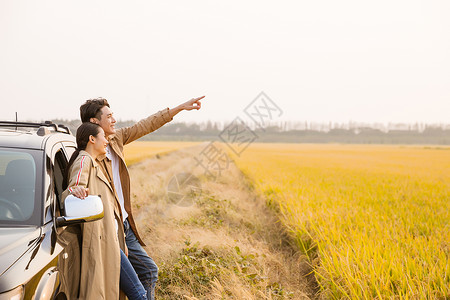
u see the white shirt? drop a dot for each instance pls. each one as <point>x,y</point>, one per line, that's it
<point>116,178</point>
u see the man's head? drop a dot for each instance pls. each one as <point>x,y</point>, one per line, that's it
<point>97,111</point>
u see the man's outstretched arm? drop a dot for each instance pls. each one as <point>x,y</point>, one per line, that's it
<point>188,105</point>
<point>155,121</point>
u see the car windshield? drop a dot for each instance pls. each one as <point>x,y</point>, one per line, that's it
<point>20,183</point>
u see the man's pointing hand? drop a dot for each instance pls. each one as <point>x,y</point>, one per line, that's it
<point>194,103</point>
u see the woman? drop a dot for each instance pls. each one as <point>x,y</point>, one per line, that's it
<point>102,240</point>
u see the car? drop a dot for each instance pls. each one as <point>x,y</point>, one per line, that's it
<point>33,217</point>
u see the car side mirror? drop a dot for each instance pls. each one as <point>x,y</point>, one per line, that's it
<point>79,211</point>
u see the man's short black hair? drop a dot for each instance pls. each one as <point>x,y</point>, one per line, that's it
<point>92,109</point>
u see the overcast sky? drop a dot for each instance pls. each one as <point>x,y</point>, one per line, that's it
<point>373,61</point>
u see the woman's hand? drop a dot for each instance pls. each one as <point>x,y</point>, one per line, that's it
<point>80,192</point>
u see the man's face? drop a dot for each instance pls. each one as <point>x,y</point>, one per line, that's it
<point>107,121</point>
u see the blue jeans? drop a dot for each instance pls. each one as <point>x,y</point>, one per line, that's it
<point>144,266</point>
<point>129,281</point>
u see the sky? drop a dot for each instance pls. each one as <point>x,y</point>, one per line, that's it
<point>319,61</point>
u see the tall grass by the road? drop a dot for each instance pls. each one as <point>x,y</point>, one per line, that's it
<point>225,245</point>
<point>373,220</point>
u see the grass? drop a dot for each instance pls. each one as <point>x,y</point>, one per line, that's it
<point>226,245</point>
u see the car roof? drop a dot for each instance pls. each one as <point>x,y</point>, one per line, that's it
<point>20,139</point>
<point>34,138</point>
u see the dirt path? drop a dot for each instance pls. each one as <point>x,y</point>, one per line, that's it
<point>216,241</point>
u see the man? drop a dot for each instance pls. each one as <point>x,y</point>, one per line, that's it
<point>113,165</point>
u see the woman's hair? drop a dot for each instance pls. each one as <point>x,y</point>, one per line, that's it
<point>83,133</point>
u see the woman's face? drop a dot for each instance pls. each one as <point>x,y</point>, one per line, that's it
<point>100,142</point>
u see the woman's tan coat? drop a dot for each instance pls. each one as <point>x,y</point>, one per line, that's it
<point>100,252</point>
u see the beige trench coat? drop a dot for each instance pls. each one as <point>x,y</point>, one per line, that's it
<point>100,240</point>
<point>125,136</point>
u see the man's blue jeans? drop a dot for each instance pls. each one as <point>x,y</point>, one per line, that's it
<point>129,281</point>
<point>144,266</point>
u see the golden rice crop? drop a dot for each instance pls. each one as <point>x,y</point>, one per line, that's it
<point>140,150</point>
<point>373,220</point>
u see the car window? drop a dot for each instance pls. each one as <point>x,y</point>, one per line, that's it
<point>17,185</point>
<point>59,171</point>
<point>70,149</point>
<point>58,167</point>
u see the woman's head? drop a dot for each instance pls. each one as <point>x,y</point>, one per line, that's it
<point>91,138</point>
<point>88,132</point>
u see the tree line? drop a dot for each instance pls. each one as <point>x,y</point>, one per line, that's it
<point>300,132</point>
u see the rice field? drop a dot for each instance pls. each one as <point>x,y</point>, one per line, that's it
<point>372,220</point>
<point>140,150</point>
